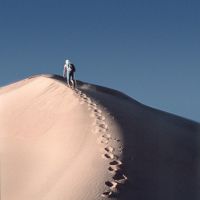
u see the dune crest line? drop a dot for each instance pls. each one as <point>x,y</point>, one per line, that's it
<point>101,129</point>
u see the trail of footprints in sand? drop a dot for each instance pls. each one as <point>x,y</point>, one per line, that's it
<point>104,137</point>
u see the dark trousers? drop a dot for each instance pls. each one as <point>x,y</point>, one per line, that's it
<point>70,78</point>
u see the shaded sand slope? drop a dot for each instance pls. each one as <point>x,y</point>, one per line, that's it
<point>161,151</point>
<point>92,143</point>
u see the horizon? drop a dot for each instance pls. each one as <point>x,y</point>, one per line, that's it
<point>147,50</point>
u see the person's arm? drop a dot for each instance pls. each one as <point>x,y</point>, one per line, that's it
<point>64,71</point>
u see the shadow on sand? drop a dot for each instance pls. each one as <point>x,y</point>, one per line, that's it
<point>161,152</point>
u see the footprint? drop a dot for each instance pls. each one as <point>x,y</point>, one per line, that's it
<point>114,166</point>
<point>93,104</point>
<point>79,95</point>
<point>106,194</point>
<point>103,140</point>
<point>99,122</point>
<point>104,126</point>
<point>107,135</point>
<point>101,117</point>
<point>115,162</point>
<point>95,114</point>
<point>91,108</point>
<point>119,177</point>
<point>104,129</point>
<point>83,95</point>
<point>109,149</point>
<point>78,92</point>
<point>111,184</point>
<point>87,99</point>
<point>97,111</point>
<point>98,129</point>
<point>113,169</point>
<point>108,156</point>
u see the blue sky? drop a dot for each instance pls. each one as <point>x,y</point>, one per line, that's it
<point>149,49</point>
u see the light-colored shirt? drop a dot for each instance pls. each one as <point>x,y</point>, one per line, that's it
<point>66,69</point>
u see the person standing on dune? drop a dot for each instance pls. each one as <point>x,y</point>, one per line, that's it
<point>69,70</point>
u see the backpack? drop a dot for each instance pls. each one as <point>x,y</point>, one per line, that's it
<point>72,67</point>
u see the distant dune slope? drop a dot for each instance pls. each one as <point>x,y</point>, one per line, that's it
<point>92,143</point>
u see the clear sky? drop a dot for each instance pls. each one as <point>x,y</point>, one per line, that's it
<point>148,49</point>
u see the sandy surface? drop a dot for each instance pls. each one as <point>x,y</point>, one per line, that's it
<point>92,143</point>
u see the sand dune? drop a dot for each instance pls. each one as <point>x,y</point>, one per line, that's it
<point>92,143</point>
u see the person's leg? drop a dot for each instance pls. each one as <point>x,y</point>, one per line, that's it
<point>72,78</point>
<point>68,78</point>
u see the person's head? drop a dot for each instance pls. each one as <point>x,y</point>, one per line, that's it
<point>67,62</point>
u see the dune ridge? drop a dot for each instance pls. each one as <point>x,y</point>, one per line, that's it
<point>101,130</point>
<point>92,143</point>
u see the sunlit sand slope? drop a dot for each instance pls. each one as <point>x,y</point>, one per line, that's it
<point>92,143</point>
